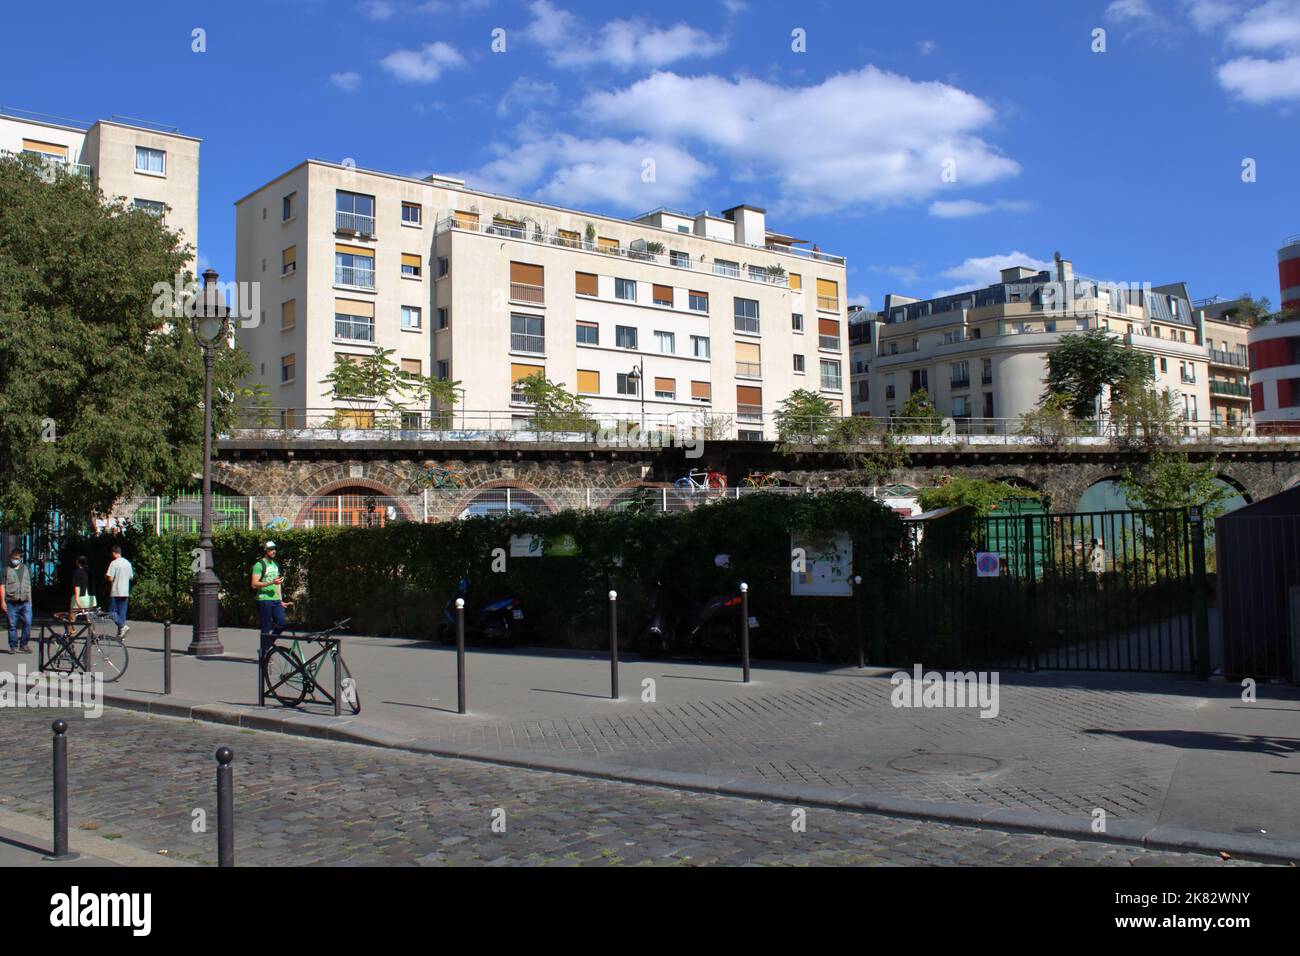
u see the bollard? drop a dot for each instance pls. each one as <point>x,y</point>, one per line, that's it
<point>338,683</point>
<point>613,645</point>
<point>460,656</point>
<point>857,610</point>
<point>744,630</point>
<point>225,807</point>
<point>261,669</point>
<point>167,657</point>
<point>61,851</point>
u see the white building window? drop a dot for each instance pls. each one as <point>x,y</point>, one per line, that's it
<point>665,342</point>
<point>150,160</point>
<point>412,317</point>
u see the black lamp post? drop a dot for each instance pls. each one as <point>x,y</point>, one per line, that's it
<point>210,322</point>
<point>636,377</point>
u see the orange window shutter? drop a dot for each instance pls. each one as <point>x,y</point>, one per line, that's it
<point>520,372</point>
<point>353,307</point>
<point>49,149</point>
<point>796,280</point>
<point>701,390</point>
<point>585,283</point>
<point>411,365</point>
<point>588,382</point>
<point>748,352</point>
<point>828,327</point>
<point>605,243</point>
<point>748,395</point>
<point>663,293</point>
<point>665,384</point>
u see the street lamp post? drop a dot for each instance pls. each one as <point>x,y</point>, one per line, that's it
<point>637,378</point>
<point>210,322</point>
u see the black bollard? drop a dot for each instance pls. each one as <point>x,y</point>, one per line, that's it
<point>167,657</point>
<point>461,702</point>
<point>225,808</point>
<point>261,669</point>
<point>613,645</point>
<point>744,630</point>
<point>61,851</point>
<point>338,683</point>
<point>857,610</point>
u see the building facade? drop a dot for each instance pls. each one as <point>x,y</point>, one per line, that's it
<point>861,330</point>
<point>705,320</point>
<point>982,355</point>
<point>1275,351</point>
<point>152,168</point>
<point>1229,358</point>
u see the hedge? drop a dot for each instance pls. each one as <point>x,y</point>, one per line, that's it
<point>394,581</point>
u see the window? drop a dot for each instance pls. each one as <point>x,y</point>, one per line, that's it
<point>889,387</point>
<point>986,374</point>
<point>749,403</point>
<point>288,368</point>
<point>354,321</point>
<point>665,387</point>
<point>526,333</point>
<point>1164,364</point>
<point>411,367</point>
<point>699,301</point>
<point>749,360</point>
<point>150,160</point>
<point>606,245</point>
<point>354,213</point>
<point>864,391</point>
<point>828,295</point>
<point>517,374</point>
<point>701,392</point>
<point>627,385</point>
<point>588,333</point>
<point>961,407</point>
<point>588,382</point>
<point>584,283</point>
<point>920,379</point>
<point>625,289</point>
<point>746,315</point>
<point>665,342</point>
<point>662,295</point>
<point>757,274</point>
<point>798,364</point>
<point>724,268</point>
<point>796,322</point>
<point>988,404</point>
<point>443,369</point>
<point>681,260</point>
<point>527,283</point>
<point>354,266</point>
<point>443,267</point>
<point>442,317</point>
<point>828,334</point>
<point>412,317</point>
<point>289,261</point>
<point>796,280</point>
<point>288,418</point>
<point>831,375</point>
<point>700,346</point>
<point>412,421</point>
<point>412,214</point>
<point>151,206</point>
<point>288,314</point>
<point>625,336</point>
<point>411,268</point>
<point>960,375</point>
<point>286,206</point>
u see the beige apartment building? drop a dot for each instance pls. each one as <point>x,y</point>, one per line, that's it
<point>1225,341</point>
<point>982,354</point>
<point>668,318</point>
<point>152,168</point>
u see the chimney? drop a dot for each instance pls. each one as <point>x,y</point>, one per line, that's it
<point>1064,269</point>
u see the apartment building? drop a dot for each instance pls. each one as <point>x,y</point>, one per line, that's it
<point>666,318</point>
<point>153,168</point>
<point>982,354</point>
<point>1229,358</point>
<point>861,329</point>
<point>1274,346</point>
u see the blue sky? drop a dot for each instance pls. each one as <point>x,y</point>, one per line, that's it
<point>1128,161</point>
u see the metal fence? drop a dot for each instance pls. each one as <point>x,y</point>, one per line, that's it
<point>1258,556</point>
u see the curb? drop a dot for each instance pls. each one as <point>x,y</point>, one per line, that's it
<point>349,730</point>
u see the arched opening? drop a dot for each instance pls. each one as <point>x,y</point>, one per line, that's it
<point>352,506</point>
<point>645,496</point>
<point>1291,482</point>
<point>1238,497</point>
<point>503,499</point>
<point>1105,494</point>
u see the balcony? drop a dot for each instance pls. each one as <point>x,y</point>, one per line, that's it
<point>986,378</point>
<point>1234,389</point>
<point>749,413</point>
<point>527,342</point>
<point>355,276</point>
<point>962,382</point>
<point>53,165</point>
<point>525,292</point>
<point>354,223</point>
<point>1235,359</point>
<point>830,343</point>
<point>1187,379</point>
<point>354,328</point>
<point>749,370</point>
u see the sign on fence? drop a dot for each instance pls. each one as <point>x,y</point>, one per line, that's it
<point>988,564</point>
<point>826,562</point>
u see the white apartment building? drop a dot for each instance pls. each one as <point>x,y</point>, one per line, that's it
<point>152,168</point>
<point>666,318</point>
<point>983,354</point>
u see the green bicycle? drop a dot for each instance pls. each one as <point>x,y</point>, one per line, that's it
<point>292,677</point>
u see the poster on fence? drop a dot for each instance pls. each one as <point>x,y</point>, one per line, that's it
<point>535,546</point>
<point>821,565</point>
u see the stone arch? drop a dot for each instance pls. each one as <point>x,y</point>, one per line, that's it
<point>1231,481</point>
<point>1291,482</point>
<point>1019,481</point>
<point>477,493</point>
<point>350,487</point>
<point>1083,503</point>
<point>325,479</point>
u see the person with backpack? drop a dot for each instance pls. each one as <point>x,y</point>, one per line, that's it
<point>266,582</point>
<point>16,602</point>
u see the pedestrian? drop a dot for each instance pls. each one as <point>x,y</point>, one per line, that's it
<point>120,574</point>
<point>1097,557</point>
<point>266,582</point>
<point>16,602</point>
<point>82,597</point>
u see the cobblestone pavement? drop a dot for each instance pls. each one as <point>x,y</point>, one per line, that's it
<point>299,801</point>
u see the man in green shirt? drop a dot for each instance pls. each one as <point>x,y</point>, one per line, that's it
<point>266,581</point>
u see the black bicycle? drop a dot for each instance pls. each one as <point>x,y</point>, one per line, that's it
<point>78,645</point>
<point>292,676</point>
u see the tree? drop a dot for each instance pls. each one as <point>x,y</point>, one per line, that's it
<point>803,417</point>
<point>1146,419</point>
<point>918,416</point>
<point>1051,423</point>
<point>376,380</point>
<point>1169,480</point>
<point>100,389</point>
<point>555,409</point>
<point>981,495</point>
<point>1250,310</point>
<point>1082,365</point>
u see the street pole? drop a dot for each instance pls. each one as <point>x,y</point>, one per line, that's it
<point>205,638</point>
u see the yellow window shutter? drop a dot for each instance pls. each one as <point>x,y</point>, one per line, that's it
<point>588,382</point>
<point>519,372</point>
<point>353,307</point>
<point>289,255</point>
<point>748,352</point>
<point>289,314</point>
<point>354,250</point>
<point>796,280</point>
<point>49,149</point>
<point>409,259</point>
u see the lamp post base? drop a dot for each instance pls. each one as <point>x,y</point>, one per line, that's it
<point>205,640</point>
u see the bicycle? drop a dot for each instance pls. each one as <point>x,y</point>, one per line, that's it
<point>701,479</point>
<point>291,677</point>
<point>761,479</point>
<point>437,476</point>
<point>85,649</point>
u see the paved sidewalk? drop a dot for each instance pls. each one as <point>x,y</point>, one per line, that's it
<point>1172,762</point>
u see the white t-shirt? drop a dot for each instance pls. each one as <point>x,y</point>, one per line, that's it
<point>120,573</point>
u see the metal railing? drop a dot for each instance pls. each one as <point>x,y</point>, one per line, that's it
<point>832,383</point>
<point>749,370</point>
<point>354,222</point>
<point>356,328</point>
<point>527,342</point>
<point>53,165</point>
<point>354,276</point>
<point>1290,241</point>
<point>745,323</point>
<point>1229,358</point>
<point>749,413</point>
<point>830,343</point>
<point>526,292</point>
<point>1229,388</point>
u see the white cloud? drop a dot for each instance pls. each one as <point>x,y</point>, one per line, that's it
<point>624,44</point>
<point>925,47</point>
<point>1122,11</point>
<point>607,173</point>
<point>965,208</point>
<point>1271,26</point>
<point>1261,81</point>
<point>975,273</point>
<point>348,82</point>
<point>424,65</point>
<point>377,9</point>
<point>861,138</point>
<point>1271,31</point>
<point>527,93</point>
<point>1208,14</point>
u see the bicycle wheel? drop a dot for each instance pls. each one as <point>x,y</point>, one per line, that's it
<point>351,695</point>
<point>286,679</point>
<point>685,484</point>
<point>106,656</point>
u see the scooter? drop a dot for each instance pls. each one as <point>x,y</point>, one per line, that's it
<point>499,621</point>
<point>680,626</point>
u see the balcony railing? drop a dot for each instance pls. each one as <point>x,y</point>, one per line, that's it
<point>832,383</point>
<point>829,342</point>
<point>1187,379</point>
<point>355,328</point>
<point>726,269</point>
<point>527,342</point>
<point>1230,388</point>
<point>749,413</point>
<point>749,370</point>
<point>354,222</point>
<point>963,382</point>
<point>525,292</point>
<point>1229,358</point>
<point>355,276</point>
<point>745,323</point>
<point>52,165</point>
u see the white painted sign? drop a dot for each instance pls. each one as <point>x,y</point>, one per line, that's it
<point>827,565</point>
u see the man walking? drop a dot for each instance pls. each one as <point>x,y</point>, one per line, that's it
<point>266,581</point>
<point>16,602</point>
<point>120,574</point>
